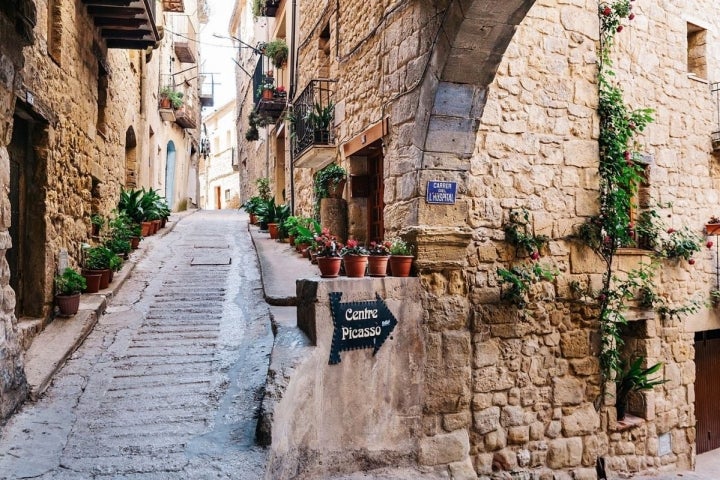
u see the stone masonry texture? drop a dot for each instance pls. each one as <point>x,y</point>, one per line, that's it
<point>516,126</point>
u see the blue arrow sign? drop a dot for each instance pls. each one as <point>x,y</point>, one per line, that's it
<point>359,325</point>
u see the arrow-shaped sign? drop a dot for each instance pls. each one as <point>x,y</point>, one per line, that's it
<point>359,325</point>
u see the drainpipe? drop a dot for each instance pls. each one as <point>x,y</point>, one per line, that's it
<point>291,95</point>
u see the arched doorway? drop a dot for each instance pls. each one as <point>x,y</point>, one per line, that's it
<point>131,167</point>
<point>170,174</point>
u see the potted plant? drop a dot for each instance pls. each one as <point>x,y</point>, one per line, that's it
<point>97,221</point>
<point>266,89</point>
<point>170,98</point>
<point>713,226</point>
<point>277,50</point>
<point>328,254</point>
<point>355,258</point>
<point>378,259</point>
<point>330,181</point>
<point>633,378</point>
<point>97,260</point>
<point>68,286</point>
<point>401,257</point>
<point>319,120</point>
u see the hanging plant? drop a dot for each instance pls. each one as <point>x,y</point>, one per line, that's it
<point>277,50</point>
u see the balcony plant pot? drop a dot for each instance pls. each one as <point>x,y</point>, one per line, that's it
<point>712,228</point>
<point>165,102</point>
<point>355,265</point>
<point>400,265</point>
<point>68,304</point>
<point>92,279</point>
<point>267,94</point>
<point>329,266</point>
<point>336,189</point>
<point>274,230</point>
<point>377,265</point>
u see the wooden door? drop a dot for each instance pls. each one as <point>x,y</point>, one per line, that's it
<point>218,201</point>
<point>707,390</point>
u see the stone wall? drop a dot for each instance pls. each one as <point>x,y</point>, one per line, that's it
<point>13,385</point>
<point>525,385</point>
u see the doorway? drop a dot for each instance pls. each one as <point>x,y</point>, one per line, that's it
<point>26,257</point>
<point>170,174</point>
<point>707,390</point>
<point>218,201</point>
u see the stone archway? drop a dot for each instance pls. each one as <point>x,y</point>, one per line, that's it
<point>474,36</point>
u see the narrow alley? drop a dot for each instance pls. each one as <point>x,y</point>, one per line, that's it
<point>167,384</point>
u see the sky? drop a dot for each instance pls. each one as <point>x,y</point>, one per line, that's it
<point>217,54</point>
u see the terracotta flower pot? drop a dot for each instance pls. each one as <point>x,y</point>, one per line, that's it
<point>377,265</point>
<point>155,226</point>
<point>253,218</point>
<point>135,242</point>
<point>400,265</point>
<point>712,228</point>
<point>92,279</point>
<point>355,265</point>
<point>146,228</point>
<point>274,229</point>
<point>68,304</point>
<point>329,266</point>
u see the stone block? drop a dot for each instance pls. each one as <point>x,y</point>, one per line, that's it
<point>518,435</point>
<point>512,416</point>
<point>487,420</point>
<point>456,421</point>
<point>495,440</point>
<point>445,448</point>
<point>568,391</point>
<point>564,452</point>
<point>505,459</point>
<point>575,344</point>
<point>584,260</point>
<point>583,421</point>
<point>486,354</point>
<point>463,470</point>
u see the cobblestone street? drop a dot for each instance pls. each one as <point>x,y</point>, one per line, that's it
<point>167,384</point>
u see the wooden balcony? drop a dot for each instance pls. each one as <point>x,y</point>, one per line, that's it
<point>186,117</point>
<point>184,39</point>
<point>125,24</point>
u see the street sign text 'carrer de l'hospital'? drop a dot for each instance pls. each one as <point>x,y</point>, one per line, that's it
<point>359,325</point>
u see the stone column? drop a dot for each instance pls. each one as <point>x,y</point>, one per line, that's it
<point>333,215</point>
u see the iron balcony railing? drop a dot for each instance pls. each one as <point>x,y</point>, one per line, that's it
<point>715,92</point>
<point>313,116</point>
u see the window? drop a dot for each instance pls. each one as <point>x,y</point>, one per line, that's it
<point>697,51</point>
<point>227,195</point>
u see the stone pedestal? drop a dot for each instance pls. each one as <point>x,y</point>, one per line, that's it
<point>333,216</point>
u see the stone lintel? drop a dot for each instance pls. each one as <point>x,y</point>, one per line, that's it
<point>439,247</point>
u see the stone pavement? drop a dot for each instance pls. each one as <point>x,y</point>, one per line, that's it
<point>166,385</point>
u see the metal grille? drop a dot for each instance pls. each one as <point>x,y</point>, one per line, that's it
<point>315,101</point>
<point>707,390</point>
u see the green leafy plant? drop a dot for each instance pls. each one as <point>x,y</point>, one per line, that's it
<point>398,246</point>
<point>320,117</point>
<point>633,378</point>
<point>518,234</point>
<point>98,258</point>
<point>331,175</point>
<point>263,186</point>
<point>680,243</point>
<point>515,282</point>
<point>175,97</point>
<point>70,282</point>
<point>277,50</point>
<point>353,247</point>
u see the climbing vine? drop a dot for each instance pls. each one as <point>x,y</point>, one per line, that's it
<point>620,177</point>
<point>621,174</point>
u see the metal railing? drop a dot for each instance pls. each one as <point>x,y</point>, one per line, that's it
<point>313,116</point>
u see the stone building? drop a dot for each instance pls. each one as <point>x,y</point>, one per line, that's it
<point>80,121</point>
<point>501,99</point>
<point>218,172</point>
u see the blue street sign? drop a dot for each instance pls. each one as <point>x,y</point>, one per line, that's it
<point>442,193</point>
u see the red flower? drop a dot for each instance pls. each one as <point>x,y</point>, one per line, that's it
<point>607,11</point>
<point>691,261</point>
<point>631,16</point>
<point>619,28</point>
<point>670,230</point>
<point>709,244</point>
<point>534,255</point>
